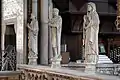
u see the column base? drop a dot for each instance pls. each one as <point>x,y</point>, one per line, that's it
<point>90,68</point>
<point>32,60</point>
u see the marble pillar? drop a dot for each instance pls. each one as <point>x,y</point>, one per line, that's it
<point>25,33</point>
<point>44,32</point>
<point>34,7</point>
<point>50,6</point>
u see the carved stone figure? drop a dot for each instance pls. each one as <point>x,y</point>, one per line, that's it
<point>33,34</point>
<point>56,26</point>
<point>91,29</point>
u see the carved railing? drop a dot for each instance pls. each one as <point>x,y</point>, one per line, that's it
<point>30,72</point>
<point>9,58</point>
<point>111,69</point>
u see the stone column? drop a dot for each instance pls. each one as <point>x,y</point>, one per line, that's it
<point>34,7</point>
<point>50,5</point>
<point>25,33</point>
<point>44,32</point>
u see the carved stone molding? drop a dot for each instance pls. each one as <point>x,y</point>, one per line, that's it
<point>46,73</point>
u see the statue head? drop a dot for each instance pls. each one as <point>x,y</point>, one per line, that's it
<point>91,7</point>
<point>32,16</point>
<point>55,12</point>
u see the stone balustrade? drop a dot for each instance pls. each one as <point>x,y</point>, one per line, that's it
<point>30,72</point>
<point>110,69</point>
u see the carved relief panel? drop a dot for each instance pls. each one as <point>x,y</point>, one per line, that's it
<point>13,9</point>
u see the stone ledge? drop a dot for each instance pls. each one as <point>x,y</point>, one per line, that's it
<point>60,73</point>
<point>10,75</point>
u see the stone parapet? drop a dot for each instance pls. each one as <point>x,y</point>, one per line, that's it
<point>45,72</point>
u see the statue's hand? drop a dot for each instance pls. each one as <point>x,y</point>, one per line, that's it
<point>49,22</point>
<point>90,42</point>
<point>85,18</point>
<point>28,25</point>
<point>35,32</point>
<point>85,28</point>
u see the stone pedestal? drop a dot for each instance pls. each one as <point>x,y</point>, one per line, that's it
<point>56,63</point>
<point>91,60</point>
<point>32,60</point>
<point>90,68</point>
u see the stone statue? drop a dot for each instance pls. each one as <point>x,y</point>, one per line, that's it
<point>56,26</point>
<point>33,37</point>
<point>91,29</point>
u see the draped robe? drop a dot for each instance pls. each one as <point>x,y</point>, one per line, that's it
<point>91,37</point>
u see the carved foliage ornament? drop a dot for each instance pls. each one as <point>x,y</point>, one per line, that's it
<point>12,8</point>
<point>117,23</point>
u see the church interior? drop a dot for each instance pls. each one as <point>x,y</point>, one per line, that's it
<point>14,32</point>
<point>72,12</point>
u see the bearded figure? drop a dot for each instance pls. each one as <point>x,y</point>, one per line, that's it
<point>56,26</point>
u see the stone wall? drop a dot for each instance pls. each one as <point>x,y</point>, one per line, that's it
<point>13,10</point>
